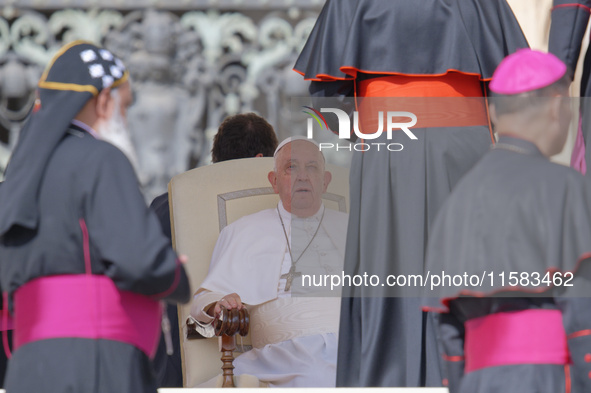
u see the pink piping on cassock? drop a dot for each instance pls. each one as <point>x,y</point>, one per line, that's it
<point>577,160</point>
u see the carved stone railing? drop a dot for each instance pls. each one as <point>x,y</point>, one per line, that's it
<point>192,62</point>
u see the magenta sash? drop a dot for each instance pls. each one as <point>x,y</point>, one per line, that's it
<point>85,306</point>
<point>520,337</point>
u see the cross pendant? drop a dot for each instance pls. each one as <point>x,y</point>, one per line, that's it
<point>289,277</point>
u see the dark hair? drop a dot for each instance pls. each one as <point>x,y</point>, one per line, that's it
<point>243,136</point>
<point>506,104</point>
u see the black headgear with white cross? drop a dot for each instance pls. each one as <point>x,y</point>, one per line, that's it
<point>78,72</point>
<point>83,66</point>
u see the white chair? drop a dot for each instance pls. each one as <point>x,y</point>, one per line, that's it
<point>202,202</point>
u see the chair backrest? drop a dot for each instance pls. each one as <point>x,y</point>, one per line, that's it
<point>202,202</point>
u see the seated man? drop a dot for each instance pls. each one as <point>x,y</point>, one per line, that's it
<point>239,136</point>
<point>258,262</point>
<point>515,235</point>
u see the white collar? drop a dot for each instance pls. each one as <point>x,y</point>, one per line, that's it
<point>287,216</point>
<point>86,128</point>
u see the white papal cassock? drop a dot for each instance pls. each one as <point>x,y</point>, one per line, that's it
<point>294,333</point>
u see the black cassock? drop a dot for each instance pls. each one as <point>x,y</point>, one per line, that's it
<point>168,367</point>
<point>569,24</point>
<point>520,227</point>
<point>89,179</point>
<point>389,341</point>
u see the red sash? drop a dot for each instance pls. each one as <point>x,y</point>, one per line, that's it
<point>450,100</point>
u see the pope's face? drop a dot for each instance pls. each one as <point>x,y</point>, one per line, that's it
<point>300,178</point>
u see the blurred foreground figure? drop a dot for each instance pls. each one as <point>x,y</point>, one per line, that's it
<point>567,32</point>
<point>83,262</point>
<point>522,225</point>
<point>433,59</point>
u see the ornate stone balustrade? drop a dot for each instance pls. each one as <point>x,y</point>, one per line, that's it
<point>193,62</point>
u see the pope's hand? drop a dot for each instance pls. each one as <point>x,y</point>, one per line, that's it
<point>230,302</point>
